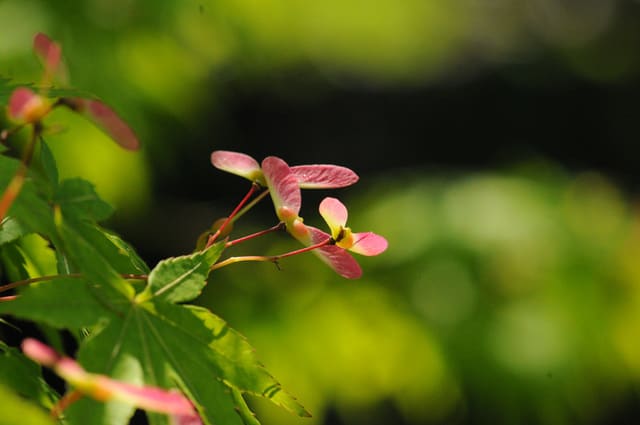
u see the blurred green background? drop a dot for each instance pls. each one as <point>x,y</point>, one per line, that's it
<point>497,141</point>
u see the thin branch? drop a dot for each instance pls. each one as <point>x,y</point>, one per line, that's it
<point>67,400</point>
<point>212,238</point>
<point>277,227</point>
<point>250,205</point>
<point>8,298</point>
<point>58,276</point>
<point>272,258</point>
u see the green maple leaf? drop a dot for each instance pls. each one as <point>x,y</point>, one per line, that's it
<point>78,197</point>
<point>147,337</point>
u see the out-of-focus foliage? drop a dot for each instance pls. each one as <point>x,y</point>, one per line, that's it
<point>507,296</point>
<point>167,59</point>
<point>17,411</point>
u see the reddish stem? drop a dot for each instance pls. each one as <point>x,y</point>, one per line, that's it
<point>8,298</point>
<point>15,185</point>
<point>212,238</point>
<point>271,258</point>
<point>67,400</point>
<point>12,191</point>
<point>277,227</point>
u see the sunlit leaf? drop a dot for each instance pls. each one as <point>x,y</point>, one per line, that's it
<point>155,342</point>
<point>101,255</point>
<point>182,279</point>
<point>248,417</point>
<point>78,197</point>
<point>128,258</point>
<point>62,303</point>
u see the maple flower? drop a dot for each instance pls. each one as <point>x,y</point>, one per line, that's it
<point>335,214</point>
<point>285,193</point>
<point>28,107</point>
<point>315,176</point>
<point>103,388</point>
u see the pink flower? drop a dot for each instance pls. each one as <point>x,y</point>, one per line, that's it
<point>316,176</point>
<point>27,107</point>
<point>285,192</point>
<point>335,214</point>
<point>284,184</point>
<point>103,388</point>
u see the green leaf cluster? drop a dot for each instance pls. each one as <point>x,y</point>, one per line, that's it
<point>131,322</point>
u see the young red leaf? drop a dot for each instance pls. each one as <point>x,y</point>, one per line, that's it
<point>105,118</point>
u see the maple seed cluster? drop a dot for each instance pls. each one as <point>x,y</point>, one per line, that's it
<point>283,183</point>
<point>27,107</point>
